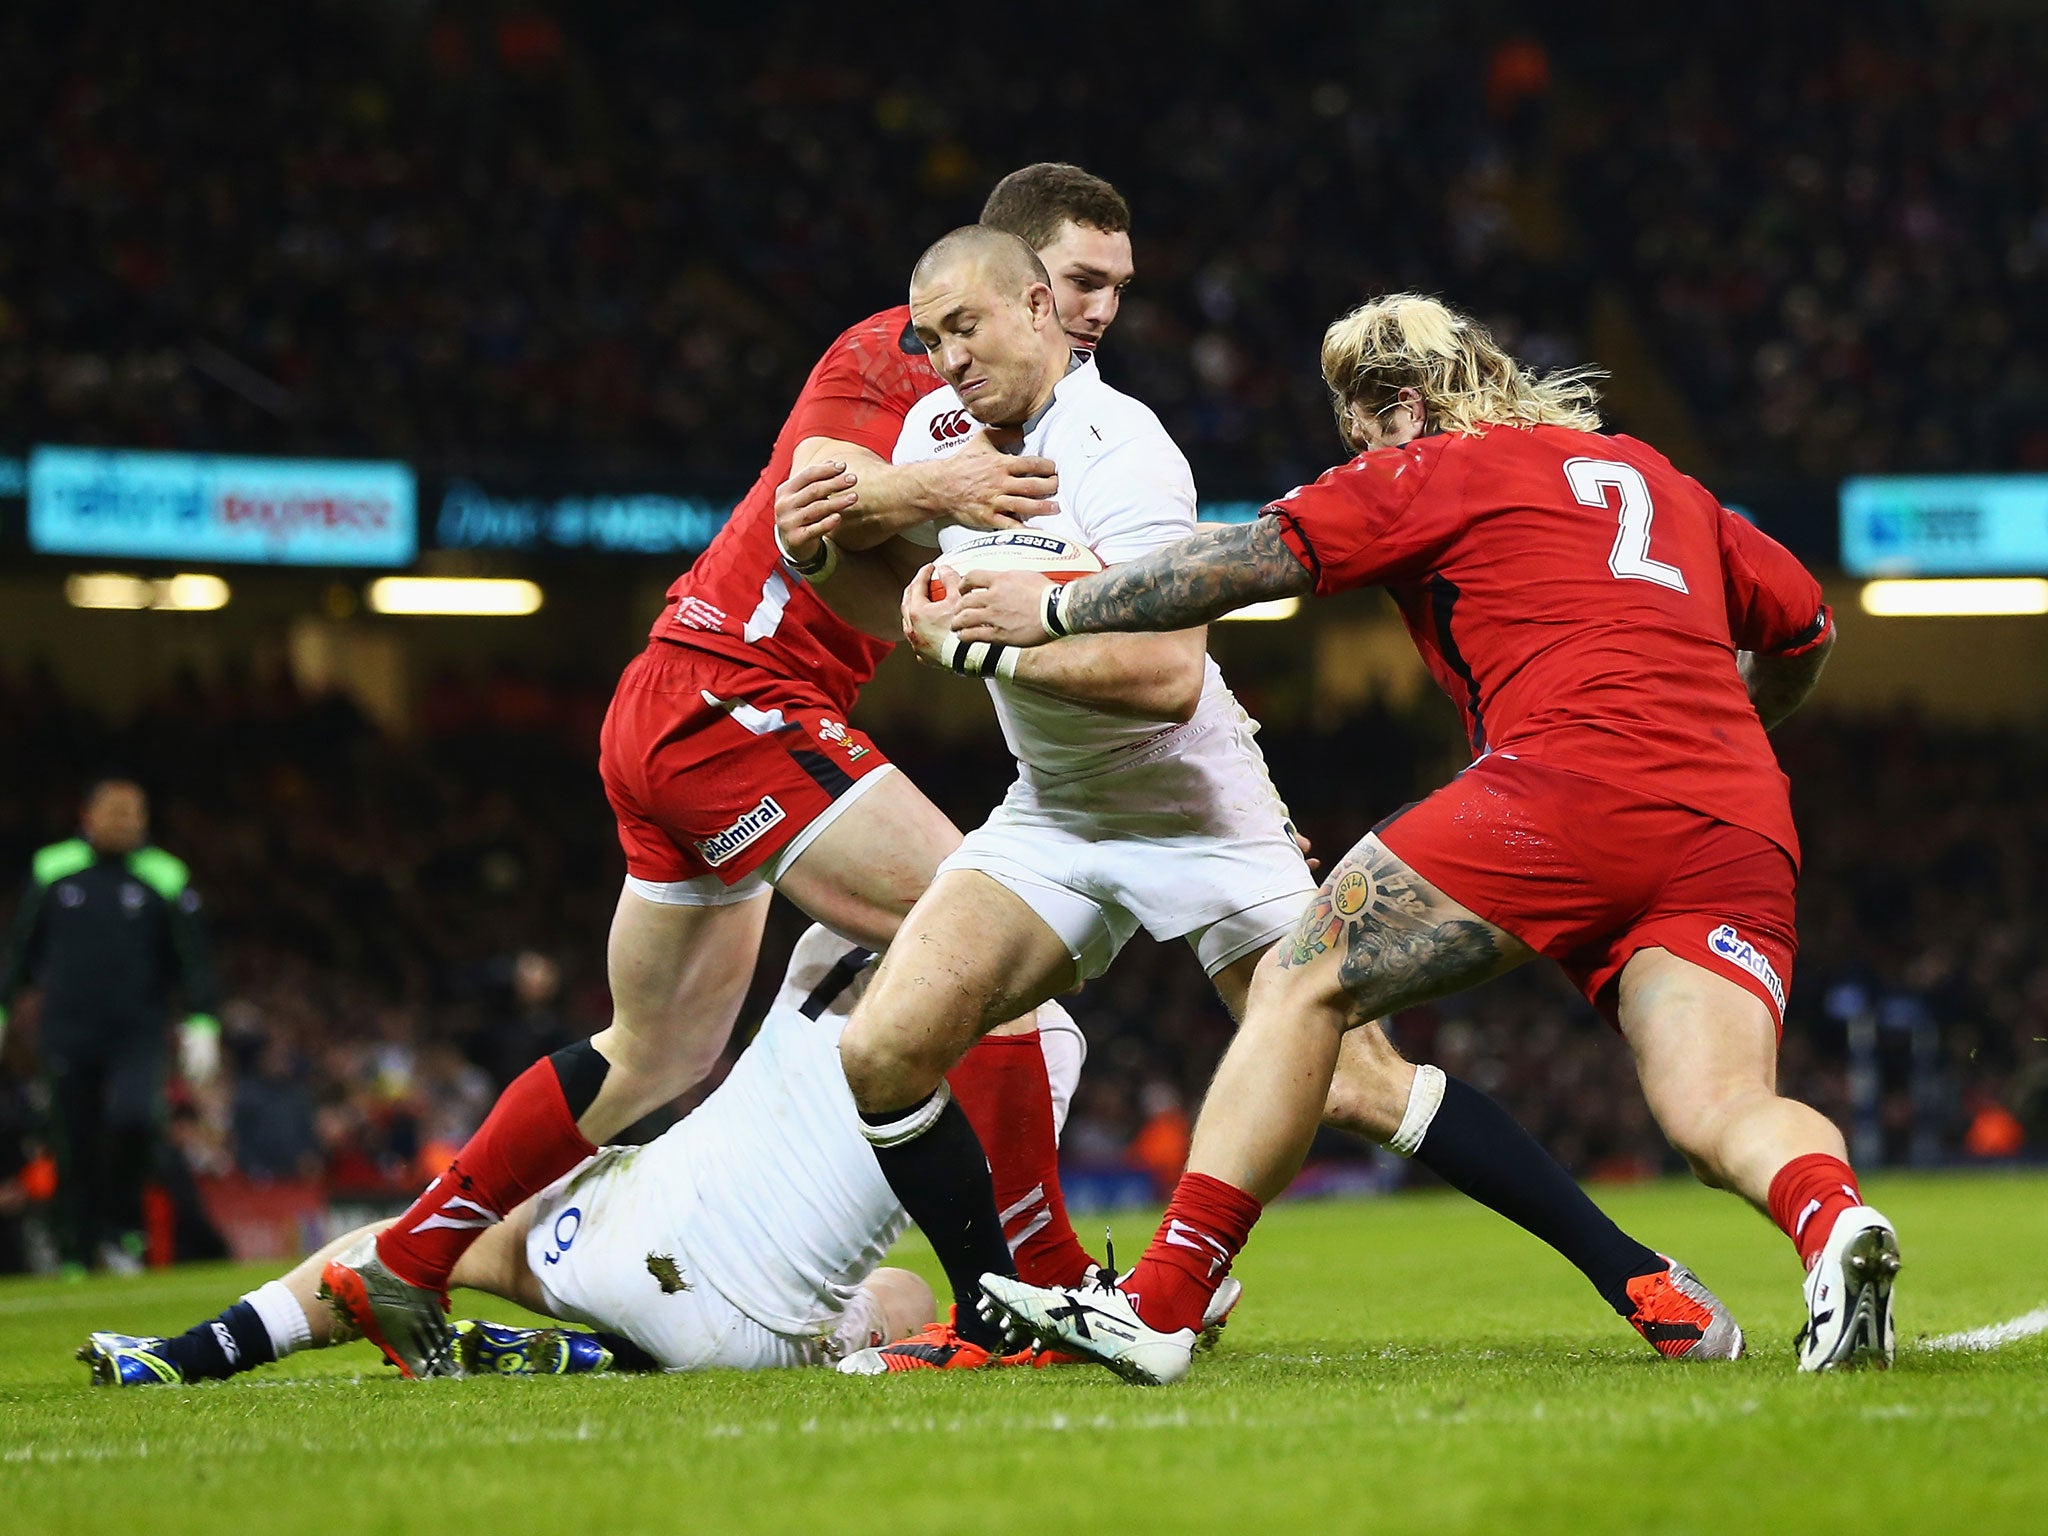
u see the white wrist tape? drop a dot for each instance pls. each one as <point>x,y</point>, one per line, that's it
<point>1425,1096</point>
<point>1049,611</point>
<point>915,1122</point>
<point>818,570</point>
<point>981,658</point>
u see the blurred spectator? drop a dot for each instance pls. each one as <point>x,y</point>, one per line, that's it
<point>273,1118</point>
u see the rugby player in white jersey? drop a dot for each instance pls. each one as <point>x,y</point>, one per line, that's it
<point>747,1236</point>
<point>1141,801</point>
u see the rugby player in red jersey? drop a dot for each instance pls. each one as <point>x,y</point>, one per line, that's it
<point>731,768</point>
<point>1618,644</point>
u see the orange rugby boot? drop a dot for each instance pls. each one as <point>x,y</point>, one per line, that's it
<point>1680,1318</point>
<point>938,1347</point>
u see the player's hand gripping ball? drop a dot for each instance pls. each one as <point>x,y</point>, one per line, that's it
<point>1015,549</point>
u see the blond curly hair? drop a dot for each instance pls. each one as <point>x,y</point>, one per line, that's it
<point>1467,383</point>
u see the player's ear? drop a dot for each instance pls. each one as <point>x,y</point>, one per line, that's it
<point>1039,300</point>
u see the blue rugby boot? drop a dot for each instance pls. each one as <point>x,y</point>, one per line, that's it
<point>123,1360</point>
<point>495,1349</point>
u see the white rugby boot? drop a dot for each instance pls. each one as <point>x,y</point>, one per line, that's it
<point>1217,1313</point>
<point>1095,1321</point>
<point>1849,1295</point>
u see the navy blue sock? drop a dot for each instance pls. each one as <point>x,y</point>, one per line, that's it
<point>1476,1147</point>
<point>215,1350</point>
<point>942,1178</point>
<point>626,1355</point>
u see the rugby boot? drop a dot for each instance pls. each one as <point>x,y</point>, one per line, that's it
<point>124,1360</point>
<point>495,1349</point>
<point>938,1347</point>
<point>1680,1318</point>
<point>1214,1317</point>
<point>1095,1321</point>
<point>1849,1295</point>
<point>407,1322</point>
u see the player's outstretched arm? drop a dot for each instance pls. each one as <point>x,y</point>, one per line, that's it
<point>1143,677</point>
<point>977,486</point>
<point>1779,684</point>
<point>1182,586</point>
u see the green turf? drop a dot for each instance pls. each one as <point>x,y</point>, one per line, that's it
<point>1404,1365</point>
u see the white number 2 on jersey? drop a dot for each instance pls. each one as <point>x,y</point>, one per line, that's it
<point>1589,480</point>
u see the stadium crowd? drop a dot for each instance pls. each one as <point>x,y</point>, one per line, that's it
<point>397,944</point>
<point>617,235</point>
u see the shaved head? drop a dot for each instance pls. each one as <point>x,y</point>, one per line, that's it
<point>999,258</point>
<point>983,307</point>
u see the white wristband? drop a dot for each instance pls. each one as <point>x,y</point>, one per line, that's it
<point>821,566</point>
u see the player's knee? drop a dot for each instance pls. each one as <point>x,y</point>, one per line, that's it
<point>1295,992</point>
<point>1704,1125</point>
<point>886,1071</point>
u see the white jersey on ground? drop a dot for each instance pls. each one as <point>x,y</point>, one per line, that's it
<point>1125,490</point>
<point>741,1236</point>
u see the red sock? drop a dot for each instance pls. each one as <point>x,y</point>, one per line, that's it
<point>1201,1232</point>
<point>1002,1086</point>
<point>1807,1195</point>
<point>527,1141</point>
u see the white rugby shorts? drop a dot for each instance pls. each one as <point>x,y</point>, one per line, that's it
<point>1186,838</point>
<point>602,1246</point>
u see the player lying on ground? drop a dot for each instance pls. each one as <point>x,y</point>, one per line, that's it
<point>1141,801</point>
<point>731,769</point>
<point>746,1236</point>
<point>1618,643</point>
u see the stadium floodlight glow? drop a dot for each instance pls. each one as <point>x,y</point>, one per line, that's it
<point>1278,608</point>
<point>191,592</point>
<point>187,592</point>
<point>1973,597</point>
<point>464,596</point>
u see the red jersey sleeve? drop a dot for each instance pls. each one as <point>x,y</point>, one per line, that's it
<point>861,390</point>
<point>1774,604</point>
<point>1350,528</point>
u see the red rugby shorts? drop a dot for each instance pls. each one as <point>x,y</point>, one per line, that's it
<point>1588,873</point>
<point>713,768</point>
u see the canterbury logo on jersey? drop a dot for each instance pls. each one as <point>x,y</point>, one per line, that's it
<point>948,425</point>
<point>748,829</point>
<point>1180,1235</point>
<point>1734,948</point>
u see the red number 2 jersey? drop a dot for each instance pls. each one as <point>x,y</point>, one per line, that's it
<point>737,601</point>
<point>1580,600</point>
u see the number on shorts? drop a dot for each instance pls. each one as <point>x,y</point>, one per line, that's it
<point>1589,480</point>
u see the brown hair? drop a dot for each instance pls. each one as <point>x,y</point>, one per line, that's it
<point>1033,203</point>
<point>1467,382</point>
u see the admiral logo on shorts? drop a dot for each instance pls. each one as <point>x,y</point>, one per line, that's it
<point>751,825</point>
<point>1733,947</point>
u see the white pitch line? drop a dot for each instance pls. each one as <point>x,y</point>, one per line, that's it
<point>2025,1326</point>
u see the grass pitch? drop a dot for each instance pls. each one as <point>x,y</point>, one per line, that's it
<point>1410,1364</point>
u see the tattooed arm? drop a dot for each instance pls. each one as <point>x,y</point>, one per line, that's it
<point>1189,582</point>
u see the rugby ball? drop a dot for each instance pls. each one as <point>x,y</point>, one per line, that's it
<point>1018,549</point>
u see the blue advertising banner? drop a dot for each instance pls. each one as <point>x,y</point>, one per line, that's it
<point>203,507</point>
<point>1945,525</point>
<point>629,523</point>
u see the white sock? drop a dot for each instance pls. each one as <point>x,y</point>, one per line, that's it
<point>1425,1097</point>
<point>283,1318</point>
